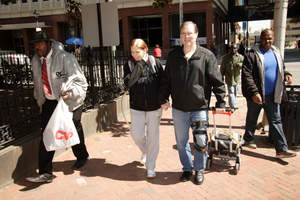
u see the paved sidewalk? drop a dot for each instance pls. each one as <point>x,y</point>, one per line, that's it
<point>114,171</point>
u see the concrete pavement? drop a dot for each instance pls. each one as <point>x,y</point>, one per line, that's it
<point>114,171</point>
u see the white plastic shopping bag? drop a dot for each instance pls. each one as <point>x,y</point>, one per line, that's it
<point>60,131</point>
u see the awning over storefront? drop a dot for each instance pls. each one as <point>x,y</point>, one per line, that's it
<point>22,26</point>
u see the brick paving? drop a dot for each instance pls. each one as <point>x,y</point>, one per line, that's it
<point>114,171</point>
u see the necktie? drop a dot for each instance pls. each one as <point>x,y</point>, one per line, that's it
<point>45,80</point>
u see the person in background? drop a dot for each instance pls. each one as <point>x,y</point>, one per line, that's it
<point>157,52</point>
<point>142,74</point>
<point>262,86</point>
<point>51,67</point>
<point>231,68</point>
<point>241,49</point>
<point>188,70</point>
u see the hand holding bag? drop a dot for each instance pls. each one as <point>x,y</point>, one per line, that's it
<point>60,131</point>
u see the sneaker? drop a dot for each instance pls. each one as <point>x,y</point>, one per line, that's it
<point>151,173</point>
<point>143,158</point>
<point>186,176</point>
<point>42,178</point>
<point>285,154</point>
<point>250,144</point>
<point>79,163</point>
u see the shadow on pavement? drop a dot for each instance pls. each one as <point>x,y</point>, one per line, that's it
<point>221,165</point>
<point>28,185</point>
<point>134,171</point>
<point>118,129</point>
<point>64,166</point>
<point>263,141</point>
<point>165,178</point>
<point>262,156</point>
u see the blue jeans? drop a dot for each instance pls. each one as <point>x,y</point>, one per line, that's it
<point>232,93</point>
<point>182,123</point>
<point>272,111</point>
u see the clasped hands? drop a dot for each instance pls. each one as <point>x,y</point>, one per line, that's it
<point>165,106</point>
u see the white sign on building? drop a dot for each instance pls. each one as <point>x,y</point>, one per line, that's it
<point>90,25</point>
<point>109,24</point>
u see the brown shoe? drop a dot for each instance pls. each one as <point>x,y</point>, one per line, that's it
<point>285,154</point>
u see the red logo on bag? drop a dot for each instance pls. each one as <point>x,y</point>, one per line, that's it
<point>63,135</point>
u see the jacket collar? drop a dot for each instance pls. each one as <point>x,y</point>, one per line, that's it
<point>195,55</point>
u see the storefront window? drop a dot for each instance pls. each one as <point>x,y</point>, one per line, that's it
<point>239,3</point>
<point>149,28</point>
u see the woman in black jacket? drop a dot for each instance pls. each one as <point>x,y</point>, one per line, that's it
<point>142,74</point>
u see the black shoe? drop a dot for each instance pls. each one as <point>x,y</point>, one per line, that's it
<point>79,163</point>
<point>42,178</point>
<point>199,178</point>
<point>186,176</point>
<point>251,144</point>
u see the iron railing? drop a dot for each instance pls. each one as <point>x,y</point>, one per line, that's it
<point>19,112</point>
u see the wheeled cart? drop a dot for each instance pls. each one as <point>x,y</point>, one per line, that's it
<point>290,114</point>
<point>224,144</point>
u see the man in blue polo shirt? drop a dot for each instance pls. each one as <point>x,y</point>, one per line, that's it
<point>262,85</point>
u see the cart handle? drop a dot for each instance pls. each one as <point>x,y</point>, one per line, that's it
<point>222,111</point>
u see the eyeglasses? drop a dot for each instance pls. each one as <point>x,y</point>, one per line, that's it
<point>186,34</point>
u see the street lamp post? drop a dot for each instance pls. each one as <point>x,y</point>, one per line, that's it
<point>36,16</point>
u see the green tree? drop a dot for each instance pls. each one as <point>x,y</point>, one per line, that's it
<point>73,11</point>
<point>161,3</point>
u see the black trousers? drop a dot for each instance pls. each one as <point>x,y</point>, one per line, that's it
<point>46,157</point>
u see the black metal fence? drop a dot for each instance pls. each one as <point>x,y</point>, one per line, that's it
<point>19,111</point>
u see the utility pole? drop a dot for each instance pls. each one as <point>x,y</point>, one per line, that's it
<point>280,16</point>
<point>113,50</point>
<point>180,12</point>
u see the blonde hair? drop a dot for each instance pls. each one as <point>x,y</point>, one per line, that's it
<point>139,43</point>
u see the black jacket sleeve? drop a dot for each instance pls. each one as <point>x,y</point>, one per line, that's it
<point>126,73</point>
<point>215,80</point>
<point>250,77</point>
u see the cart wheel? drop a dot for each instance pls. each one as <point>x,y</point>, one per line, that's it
<point>236,168</point>
<point>208,163</point>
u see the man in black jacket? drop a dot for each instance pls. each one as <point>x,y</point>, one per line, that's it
<point>188,71</point>
<point>262,85</point>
